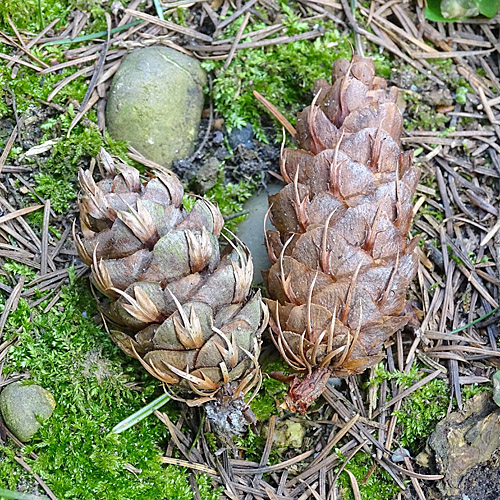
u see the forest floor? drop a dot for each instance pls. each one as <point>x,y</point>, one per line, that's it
<point>57,59</point>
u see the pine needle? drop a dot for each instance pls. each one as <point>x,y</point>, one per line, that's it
<point>91,36</point>
<point>274,111</point>
<point>159,9</point>
<point>472,323</point>
<point>141,414</point>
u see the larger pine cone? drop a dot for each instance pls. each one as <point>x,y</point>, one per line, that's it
<point>342,258</point>
<point>179,307</point>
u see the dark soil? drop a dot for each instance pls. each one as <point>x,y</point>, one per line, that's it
<point>245,158</point>
<point>480,483</point>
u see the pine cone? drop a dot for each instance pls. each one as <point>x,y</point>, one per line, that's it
<point>342,261</point>
<point>180,307</point>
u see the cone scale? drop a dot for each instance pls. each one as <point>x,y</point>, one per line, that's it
<point>342,258</point>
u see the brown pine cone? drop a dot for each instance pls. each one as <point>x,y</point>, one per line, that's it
<point>342,260</point>
<point>178,306</point>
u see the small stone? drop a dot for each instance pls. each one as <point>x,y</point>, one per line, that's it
<point>25,407</point>
<point>335,382</point>
<point>289,434</point>
<point>399,455</point>
<point>438,97</point>
<point>155,102</point>
<point>496,387</point>
<point>243,135</point>
<point>206,177</point>
<point>464,440</point>
<point>218,137</point>
<point>424,459</point>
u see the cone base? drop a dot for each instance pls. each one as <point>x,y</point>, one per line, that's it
<point>303,393</point>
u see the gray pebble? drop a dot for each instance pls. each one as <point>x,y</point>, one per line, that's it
<point>25,407</point>
<point>155,102</point>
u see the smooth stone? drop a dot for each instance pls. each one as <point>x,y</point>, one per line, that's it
<point>251,230</point>
<point>25,407</point>
<point>218,137</point>
<point>399,455</point>
<point>155,102</point>
<point>335,382</point>
<point>496,387</point>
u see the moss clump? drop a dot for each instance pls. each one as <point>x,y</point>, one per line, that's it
<point>56,178</point>
<point>28,86</point>
<point>264,405</point>
<point>60,192</point>
<point>469,391</point>
<point>378,486</point>
<point>33,15</point>
<point>422,116</point>
<point>284,74</point>
<point>253,445</point>
<point>15,269</point>
<point>421,410</point>
<point>93,384</point>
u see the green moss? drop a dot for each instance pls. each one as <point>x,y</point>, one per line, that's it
<point>17,269</point>
<point>421,410</point>
<point>379,486</point>
<point>33,15</point>
<point>29,86</point>
<point>469,391</point>
<point>461,95</point>
<point>229,197</point>
<point>252,444</point>
<point>284,74</point>
<point>10,475</point>
<point>401,378</point>
<point>57,175</point>
<point>264,405</point>
<point>60,191</point>
<point>383,65</point>
<point>473,258</point>
<point>429,210</point>
<point>423,116</point>
<point>93,383</point>
<point>207,490</point>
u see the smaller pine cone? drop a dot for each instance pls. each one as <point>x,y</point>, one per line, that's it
<point>342,258</point>
<point>178,306</point>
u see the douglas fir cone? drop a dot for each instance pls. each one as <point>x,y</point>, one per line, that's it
<point>177,305</point>
<point>342,261</point>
